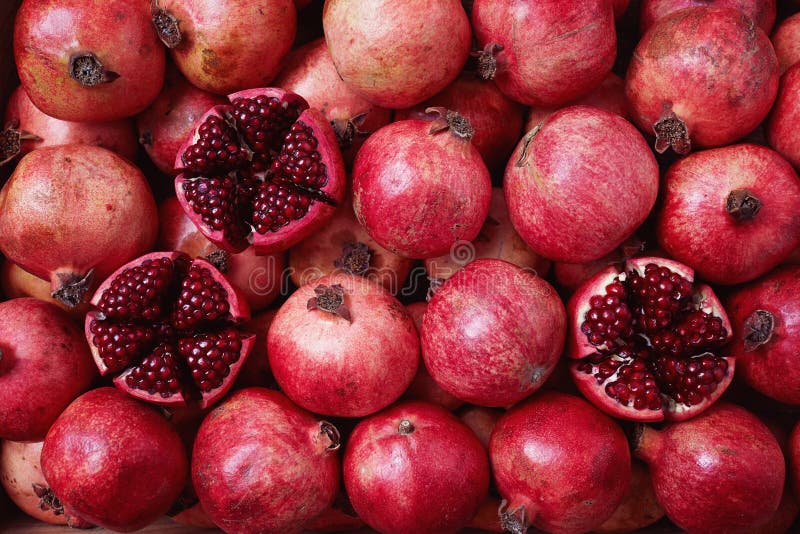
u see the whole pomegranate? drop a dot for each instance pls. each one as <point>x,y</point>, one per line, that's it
<point>546,53</point>
<point>761,12</point>
<point>579,184</point>
<point>73,243</point>
<point>114,461</point>
<point>397,54</point>
<point>44,365</point>
<point>415,468</point>
<point>704,99</point>
<point>261,464</point>
<point>340,517</point>
<point>720,472</point>
<point>16,282</point>
<point>731,213</point>
<point>547,475</point>
<point>786,42</point>
<point>481,421</point>
<point>779,127</point>
<point>256,371</point>
<point>343,346</point>
<point>88,61</point>
<point>793,456</point>
<point>639,507</point>
<point>419,187</point>
<point>492,334</point>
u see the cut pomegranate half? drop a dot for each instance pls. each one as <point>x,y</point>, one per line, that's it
<point>263,170</point>
<point>647,340</point>
<point>167,326</point>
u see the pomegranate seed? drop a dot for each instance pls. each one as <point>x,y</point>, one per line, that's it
<point>138,292</point>
<point>216,150</point>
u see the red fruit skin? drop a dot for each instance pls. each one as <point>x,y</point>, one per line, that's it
<point>793,457</point>
<point>20,472</point>
<point>115,461</point>
<point>541,462</point>
<point>332,366</point>
<point>256,372</point>
<point>120,35</point>
<point>492,334</point>
<point>553,52</point>
<point>397,54</point>
<point>721,471</point>
<point>117,136</point>
<point>694,226</point>
<point>779,126</point>
<point>261,464</point>
<point>418,193</point>
<point>431,480</point>
<point>16,282</point>
<point>762,12</point>
<point>566,182</point>
<point>224,45</point>
<point>786,41</point>
<point>481,421</point>
<point>639,508</point>
<point>720,96</point>
<point>34,390</point>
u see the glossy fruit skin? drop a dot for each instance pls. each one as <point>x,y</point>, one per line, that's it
<point>115,461</point>
<point>785,41</point>
<point>119,34</point>
<point>396,55</point>
<point>565,183</point>
<point>261,464</point>
<point>762,12</point>
<point>492,334</point>
<point>705,468</point>
<point>780,133</point>
<point>540,463</point>
<point>429,480</point>
<point>696,227</point>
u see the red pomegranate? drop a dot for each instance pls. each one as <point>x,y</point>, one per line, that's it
<point>261,464</point>
<point>547,53</point>
<point>786,41</point>
<point>397,54</point>
<point>114,461</point>
<point>570,276</point>
<point>720,472</point>
<point>343,346</point>
<point>222,48</point>
<point>71,214</point>
<point>648,339</point>
<point>415,468</point>
<point>16,282</point>
<point>731,213</point>
<point>421,187</point>
<point>340,517</point>
<point>263,171</point>
<point>256,371</point>
<point>481,421</point>
<point>639,508</point>
<point>88,61</point>
<point>761,12</point>
<point>779,127</point>
<point>793,457</point>
<point>703,100</point>
<point>492,334</point>
<point>547,476</point>
<point>44,365</point>
<point>580,184</point>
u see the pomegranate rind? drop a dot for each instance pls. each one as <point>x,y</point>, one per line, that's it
<point>596,394</point>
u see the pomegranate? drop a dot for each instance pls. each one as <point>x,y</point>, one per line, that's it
<point>88,61</point>
<point>264,170</point>
<point>780,133</point>
<point>340,517</point>
<point>343,346</point>
<point>487,519</point>
<point>222,48</point>
<point>547,53</point>
<point>415,468</point>
<point>620,6</point>
<point>732,213</point>
<point>27,129</point>
<point>570,276</point>
<point>639,507</point>
<point>481,421</point>
<point>761,12</point>
<point>47,231</point>
<point>167,327</point>
<point>261,464</point>
<point>580,184</point>
<point>722,471</point>
<point>786,41</point>
<point>256,372</point>
<point>419,187</point>
<point>16,282</point>
<point>492,334</point>
<point>646,336</point>
<point>793,456</point>
<point>44,365</point>
<point>704,99</point>
<point>546,474</point>
<point>397,54</point>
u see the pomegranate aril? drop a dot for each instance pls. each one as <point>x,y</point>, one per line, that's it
<point>264,121</point>
<point>216,150</point>
<point>138,292</point>
<point>158,373</point>
<point>697,331</point>
<point>215,200</point>
<point>121,344</point>
<point>209,356</point>
<point>201,299</point>
<point>299,163</point>
<point>609,317</point>
<point>276,206</point>
<point>689,381</point>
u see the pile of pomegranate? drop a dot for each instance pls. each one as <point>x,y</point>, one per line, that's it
<point>419,266</point>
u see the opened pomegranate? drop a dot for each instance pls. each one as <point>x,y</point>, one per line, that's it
<point>731,213</point>
<point>167,327</point>
<point>779,127</point>
<point>88,61</point>
<point>415,468</point>
<point>720,472</point>
<point>703,99</point>
<point>261,464</point>
<point>762,12</point>
<point>73,243</point>
<point>650,341</point>
<point>579,184</point>
<point>419,187</point>
<point>639,507</point>
<point>343,346</point>
<point>786,42</point>
<point>559,464</point>
<point>264,170</point>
